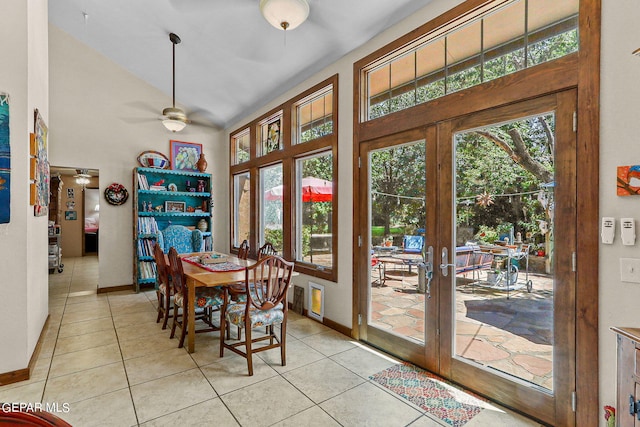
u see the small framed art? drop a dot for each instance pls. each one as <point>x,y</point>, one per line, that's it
<point>185,155</point>
<point>170,206</point>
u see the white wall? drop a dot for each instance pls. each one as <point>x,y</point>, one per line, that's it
<point>619,146</point>
<point>23,241</point>
<point>103,117</point>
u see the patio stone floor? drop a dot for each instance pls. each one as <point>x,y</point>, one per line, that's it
<point>513,335</point>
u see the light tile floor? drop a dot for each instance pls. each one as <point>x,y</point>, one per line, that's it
<point>105,356</point>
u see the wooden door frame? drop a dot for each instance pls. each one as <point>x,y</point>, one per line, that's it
<point>554,407</point>
<point>581,70</point>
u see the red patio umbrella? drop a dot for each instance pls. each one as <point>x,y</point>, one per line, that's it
<point>313,190</point>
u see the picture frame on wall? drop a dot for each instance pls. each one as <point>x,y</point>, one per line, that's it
<point>70,215</point>
<point>184,155</point>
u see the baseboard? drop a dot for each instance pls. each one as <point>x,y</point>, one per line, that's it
<point>328,323</point>
<point>24,374</point>
<point>115,289</point>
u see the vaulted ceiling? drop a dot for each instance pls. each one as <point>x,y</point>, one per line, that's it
<point>230,61</point>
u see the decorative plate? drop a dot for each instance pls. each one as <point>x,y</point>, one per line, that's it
<point>153,159</point>
<point>116,194</point>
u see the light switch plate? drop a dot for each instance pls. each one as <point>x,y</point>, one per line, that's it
<point>630,270</point>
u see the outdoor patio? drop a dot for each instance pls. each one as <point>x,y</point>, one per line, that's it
<point>513,335</point>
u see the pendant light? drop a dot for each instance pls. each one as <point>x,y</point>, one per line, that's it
<point>284,14</point>
<point>174,118</point>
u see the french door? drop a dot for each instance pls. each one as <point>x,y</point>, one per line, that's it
<point>493,195</point>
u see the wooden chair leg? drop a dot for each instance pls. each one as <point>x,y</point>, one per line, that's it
<point>247,338</point>
<point>224,328</point>
<point>167,308</point>
<point>175,321</point>
<point>283,341</point>
<point>160,306</point>
<point>183,330</point>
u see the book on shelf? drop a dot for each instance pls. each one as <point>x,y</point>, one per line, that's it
<point>147,225</point>
<point>142,182</point>
<point>158,188</point>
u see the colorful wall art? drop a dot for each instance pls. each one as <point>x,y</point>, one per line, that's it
<point>185,155</point>
<point>40,186</point>
<point>5,161</point>
<point>628,180</point>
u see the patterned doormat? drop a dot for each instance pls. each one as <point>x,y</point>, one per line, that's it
<point>433,394</point>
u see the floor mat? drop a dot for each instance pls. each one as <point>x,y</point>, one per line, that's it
<point>432,393</point>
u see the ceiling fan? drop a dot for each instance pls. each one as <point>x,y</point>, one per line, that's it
<point>174,119</point>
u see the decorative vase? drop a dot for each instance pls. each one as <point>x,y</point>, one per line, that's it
<point>202,225</point>
<point>201,164</point>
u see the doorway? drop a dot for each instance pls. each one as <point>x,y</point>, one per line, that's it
<point>493,195</point>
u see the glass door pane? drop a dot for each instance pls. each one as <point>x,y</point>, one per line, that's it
<point>504,235</point>
<point>397,219</point>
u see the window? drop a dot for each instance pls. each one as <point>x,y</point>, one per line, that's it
<point>501,39</point>
<point>314,210</point>
<point>241,147</point>
<point>271,206</point>
<point>314,116</point>
<point>241,208</point>
<point>274,159</point>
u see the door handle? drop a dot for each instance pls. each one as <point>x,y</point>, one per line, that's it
<point>444,259</point>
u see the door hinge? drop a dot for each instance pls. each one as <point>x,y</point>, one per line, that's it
<point>574,401</point>
<point>575,121</point>
<point>359,319</point>
<point>359,241</point>
<point>573,262</point>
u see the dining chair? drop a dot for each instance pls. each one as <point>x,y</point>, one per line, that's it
<point>266,284</point>
<point>243,250</point>
<point>208,299</point>
<point>164,290</point>
<point>265,250</point>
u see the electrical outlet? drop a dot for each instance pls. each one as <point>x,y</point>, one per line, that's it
<point>630,270</point>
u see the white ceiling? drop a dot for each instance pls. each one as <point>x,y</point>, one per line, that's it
<point>231,61</point>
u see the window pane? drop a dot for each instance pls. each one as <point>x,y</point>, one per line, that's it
<point>551,36</point>
<point>273,193</point>
<point>463,57</point>
<point>315,116</point>
<point>314,209</point>
<point>271,135</point>
<point>430,66</point>
<point>503,41</point>
<point>241,208</point>
<point>241,144</point>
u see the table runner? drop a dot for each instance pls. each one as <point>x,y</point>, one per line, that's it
<point>222,266</point>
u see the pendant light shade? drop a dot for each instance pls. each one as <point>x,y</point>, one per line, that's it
<point>284,14</point>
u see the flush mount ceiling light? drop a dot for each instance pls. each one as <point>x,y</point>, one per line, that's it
<point>174,119</point>
<point>82,177</point>
<point>284,14</point>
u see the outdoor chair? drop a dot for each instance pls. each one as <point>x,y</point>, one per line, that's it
<point>265,304</point>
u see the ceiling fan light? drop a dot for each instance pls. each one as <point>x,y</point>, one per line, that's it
<point>173,125</point>
<point>284,14</point>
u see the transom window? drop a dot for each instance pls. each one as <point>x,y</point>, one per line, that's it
<point>314,116</point>
<point>502,38</point>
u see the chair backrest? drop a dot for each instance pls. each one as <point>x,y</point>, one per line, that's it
<point>413,244</point>
<point>265,250</point>
<point>267,282</point>
<point>181,238</point>
<point>243,250</point>
<point>161,266</point>
<point>177,272</point>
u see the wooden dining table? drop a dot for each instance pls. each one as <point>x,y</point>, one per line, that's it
<point>199,276</point>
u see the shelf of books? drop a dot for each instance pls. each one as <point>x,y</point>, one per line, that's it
<point>163,197</point>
